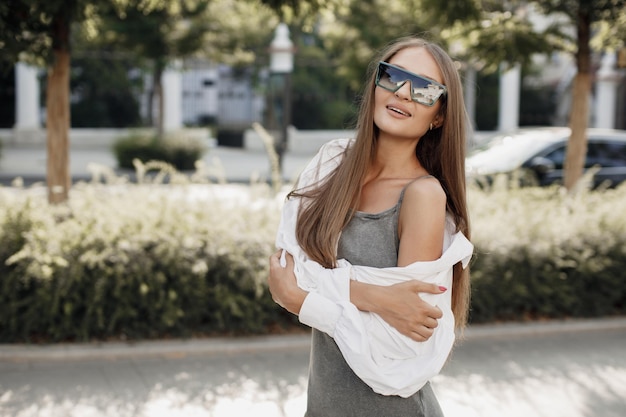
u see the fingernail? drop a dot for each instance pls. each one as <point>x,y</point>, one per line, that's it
<point>442,288</point>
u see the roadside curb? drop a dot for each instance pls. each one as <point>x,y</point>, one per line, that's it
<point>257,344</point>
<point>544,327</point>
<point>152,348</point>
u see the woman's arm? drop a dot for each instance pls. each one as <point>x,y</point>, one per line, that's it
<point>283,285</point>
<point>422,222</point>
<point>398,304</point>
<point>421,228</point>
<point>382,357</point>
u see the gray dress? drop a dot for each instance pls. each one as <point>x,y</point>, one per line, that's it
<point>334,389</point>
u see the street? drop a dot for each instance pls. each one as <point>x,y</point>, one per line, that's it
<point>568,369</point>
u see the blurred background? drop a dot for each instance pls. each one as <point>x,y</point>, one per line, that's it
<point>208,63</point>
<point>146,296</point>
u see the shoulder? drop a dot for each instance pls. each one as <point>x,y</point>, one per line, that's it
<point>425,196</point>
<point>324,162</point>
<point>423,190</point>
<point>334,147</point>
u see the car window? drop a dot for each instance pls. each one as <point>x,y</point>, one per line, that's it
<point>606,154</point>
<point>557,156</point>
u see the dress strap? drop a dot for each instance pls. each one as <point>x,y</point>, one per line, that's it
<point>411,182</point>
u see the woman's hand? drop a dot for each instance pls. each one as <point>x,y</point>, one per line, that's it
<point>283,286</point>
<point>401,306</point>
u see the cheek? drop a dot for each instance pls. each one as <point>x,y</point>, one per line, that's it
<point>379,104</point>
<point>378,98</point>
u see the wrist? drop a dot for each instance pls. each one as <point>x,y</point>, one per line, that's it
<point>296,299</point>
<point>366,297</point>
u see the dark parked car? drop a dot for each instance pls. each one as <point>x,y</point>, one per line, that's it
<point>536,156</point>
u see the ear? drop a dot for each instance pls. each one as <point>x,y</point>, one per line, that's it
<point>438,121</point>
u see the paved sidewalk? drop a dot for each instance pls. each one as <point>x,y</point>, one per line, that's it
<point>556,369</point>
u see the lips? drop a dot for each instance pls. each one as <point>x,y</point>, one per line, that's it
<point>399,109</point>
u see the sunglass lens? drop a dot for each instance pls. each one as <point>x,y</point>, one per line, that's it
<point>388,79</point>
<point>425,93</point>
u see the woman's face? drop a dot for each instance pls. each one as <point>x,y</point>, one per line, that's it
<point>396,114</point>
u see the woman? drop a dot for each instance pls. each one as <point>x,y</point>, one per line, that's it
<point>392,197</point>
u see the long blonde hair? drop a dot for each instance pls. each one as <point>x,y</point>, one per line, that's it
<point>330,204</point>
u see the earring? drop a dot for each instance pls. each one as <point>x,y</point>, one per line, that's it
<point>431,127</point>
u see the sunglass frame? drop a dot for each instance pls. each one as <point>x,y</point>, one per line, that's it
<point>442,91</point>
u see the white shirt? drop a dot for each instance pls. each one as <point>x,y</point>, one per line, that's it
<point>389,362</point>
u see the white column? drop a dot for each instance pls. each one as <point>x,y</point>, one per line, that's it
<point>172,96</point>
<point>508,115</point>
<point>606,92</point>
<point>26,97</point>
<point>470,93</point>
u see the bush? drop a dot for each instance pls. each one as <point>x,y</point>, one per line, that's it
<point>136,262</point>
<point>152,260</point>
<point>180,151</point>
<point>541,253</point>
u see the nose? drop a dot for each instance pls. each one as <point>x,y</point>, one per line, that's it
<point>404,92</point>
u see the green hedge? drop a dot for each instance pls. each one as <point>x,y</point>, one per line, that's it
<point>180,151</point>
<point>541,253</point>
<point>134,262</point>
<point>152,260</point>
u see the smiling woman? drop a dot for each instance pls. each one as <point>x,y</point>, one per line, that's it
<point>374,242</point>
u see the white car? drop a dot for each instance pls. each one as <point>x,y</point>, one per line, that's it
<point>536,156</point>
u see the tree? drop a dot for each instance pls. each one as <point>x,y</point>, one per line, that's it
<point>39,31</point>
<point>353,25</point>
<point>158,32</point>
<point>467,28</point>
<point>584,16</point>
<point>502,32</point>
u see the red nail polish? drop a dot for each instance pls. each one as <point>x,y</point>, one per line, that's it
<point>442,288</point>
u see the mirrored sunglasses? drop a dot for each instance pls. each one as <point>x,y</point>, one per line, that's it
<point>423,90</point>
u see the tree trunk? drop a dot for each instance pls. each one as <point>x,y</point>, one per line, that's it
<point>158,92</point>
<point>579,114</point>
<point>58,117</point>
<point>150,106</point>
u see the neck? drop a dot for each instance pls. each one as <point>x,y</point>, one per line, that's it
<point>396,158</point>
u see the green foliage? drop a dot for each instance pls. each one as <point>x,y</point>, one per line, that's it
<point>154,260</point>
<point>541,253</point>
<point>145,261</point>
<point>157,31</point>
<point>7,98</point>
<point>157,34</point>
<point>240,33</point>
<point>178,150</point>
<point>103,93</point>
<point>321,97</point>
<point>287,10</point>
<point>504,37</point>
<point>30,30</point>
<point>353,38</point>
<point>487,100</point>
